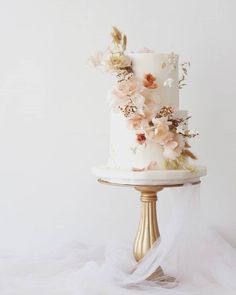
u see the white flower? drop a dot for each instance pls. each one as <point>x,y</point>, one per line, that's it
<point>116,61</point>
<point>139,100</point>
<point>168,82</point>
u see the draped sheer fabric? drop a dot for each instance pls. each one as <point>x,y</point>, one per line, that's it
<point>194,260</point>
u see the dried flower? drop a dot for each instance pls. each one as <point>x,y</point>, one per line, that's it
<point>116,35</point>
<point>135,105</point>
<point>149,81</point>
<point>165,111</point>
<point>119,39</point>
<point>188,153</point>
<point>129,109</point>
<point>124,74</point>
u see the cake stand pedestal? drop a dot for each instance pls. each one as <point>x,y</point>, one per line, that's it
<point>148,186</point>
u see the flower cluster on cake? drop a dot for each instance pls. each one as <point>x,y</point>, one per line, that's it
<point>147,129</point>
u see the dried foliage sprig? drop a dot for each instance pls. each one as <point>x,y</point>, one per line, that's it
<point>184,73</point>
<point>179,163</point>
<point>189,154</point>
<point>119,39</point>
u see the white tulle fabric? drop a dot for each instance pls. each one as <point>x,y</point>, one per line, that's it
<point>197,257</point>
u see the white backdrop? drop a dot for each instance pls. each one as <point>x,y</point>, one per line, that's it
<point>54,119</point>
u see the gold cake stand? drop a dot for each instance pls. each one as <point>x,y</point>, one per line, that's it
<point>148,231</point>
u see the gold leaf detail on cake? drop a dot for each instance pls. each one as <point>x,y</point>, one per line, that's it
<point>163,65</point>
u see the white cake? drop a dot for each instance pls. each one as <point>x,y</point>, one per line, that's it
<point>148,131</point>
<point>125,153</point>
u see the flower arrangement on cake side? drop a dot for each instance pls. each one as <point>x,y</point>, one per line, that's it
<point>150,121</point>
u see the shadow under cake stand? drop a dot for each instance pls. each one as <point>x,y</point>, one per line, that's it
<point>148,183</point>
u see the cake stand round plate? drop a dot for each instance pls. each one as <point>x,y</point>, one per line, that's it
<point>150,177</point>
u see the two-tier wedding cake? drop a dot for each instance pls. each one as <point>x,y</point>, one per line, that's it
<point>148,131</point>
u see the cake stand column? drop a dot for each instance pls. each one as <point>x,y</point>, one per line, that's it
<point>148,231</point>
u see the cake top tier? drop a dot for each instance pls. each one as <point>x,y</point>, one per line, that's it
<point>148,66</point>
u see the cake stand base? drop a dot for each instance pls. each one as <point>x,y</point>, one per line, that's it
<point>148,231</point>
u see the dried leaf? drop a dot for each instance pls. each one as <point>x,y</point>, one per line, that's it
<point>188,153</point>
<point>124,42</point>
<point>116,35</point>
<point>187,145</point>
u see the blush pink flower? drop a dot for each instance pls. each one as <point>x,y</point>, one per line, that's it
<point>160,131</point>
<point>125,88</point>
<point>150,81</point>
<point>136,121</point>
<point>151,166</point>
<point>139,120</point>
<point>173,147</point>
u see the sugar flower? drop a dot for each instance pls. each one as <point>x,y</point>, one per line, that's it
<point>150,81</point>
<point>116,61</point>
<point>125,88</point>
<point>141,138</point>
<point>137,121</point>
<point>151,166</point>
<point>126,95</point>
<point>160,130</point>
<point>173,147</point>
